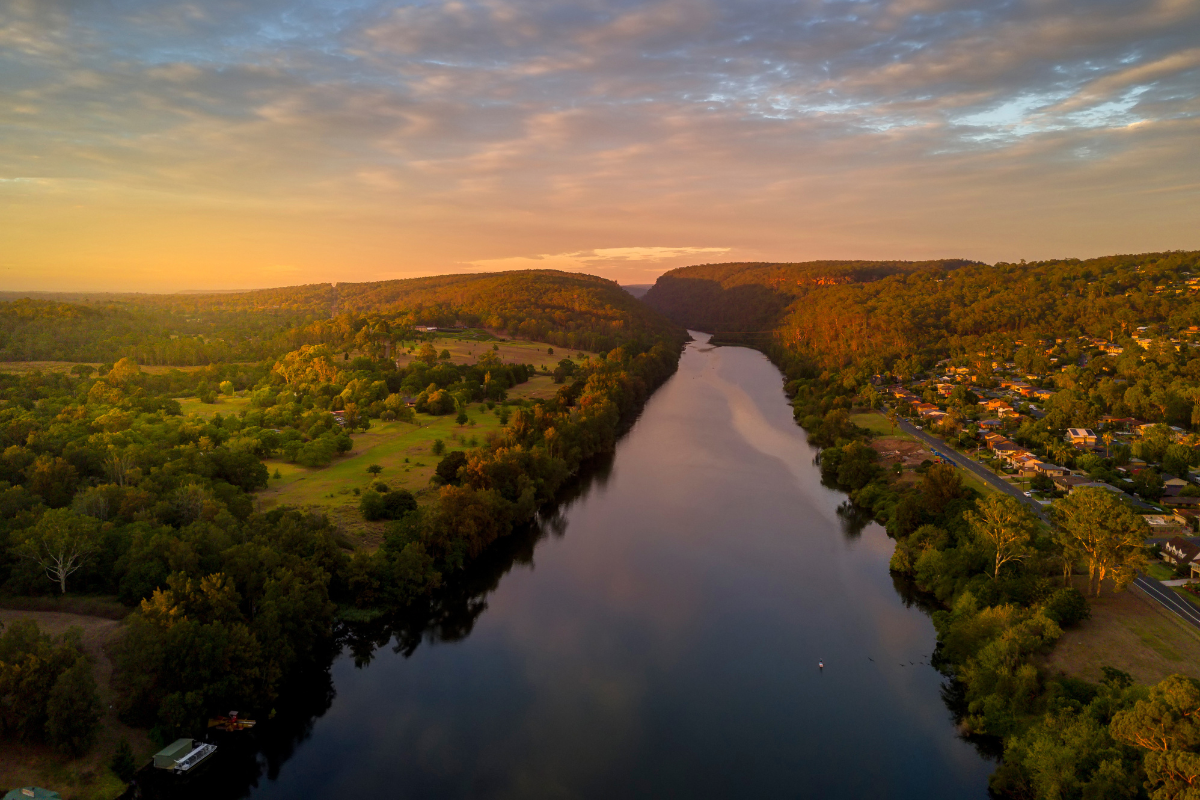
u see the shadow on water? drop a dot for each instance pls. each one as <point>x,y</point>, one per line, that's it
<point>244,759</point>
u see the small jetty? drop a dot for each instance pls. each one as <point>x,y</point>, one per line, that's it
<point>183,755</point>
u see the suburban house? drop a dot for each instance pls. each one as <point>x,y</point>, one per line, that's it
<point>1179,500</point>
<point>1180,552</point>
<point>1081,437</point>
<point>1161,525</point>
<point>1067,483</point>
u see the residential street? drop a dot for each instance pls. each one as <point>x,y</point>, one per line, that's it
<point>1169,600</point>
<point>976,469</point>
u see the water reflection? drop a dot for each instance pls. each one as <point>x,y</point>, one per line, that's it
<point>664,644</point>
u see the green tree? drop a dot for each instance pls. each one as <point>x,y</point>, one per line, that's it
<point>374,469</point>
<point>427,354</point>
<point>1005,526</point>
<point>226,387</point>
<point>1098,527</point>
<point>1166,725</point>
<point>73,711</point>
<point>61,543</point>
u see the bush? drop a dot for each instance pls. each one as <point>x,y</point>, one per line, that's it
<point>387,505</point>
<point>1068,607</point>
<point>122,763</point>
<point>447,469</point>
<point>73,712</point>
<point>439,447</point>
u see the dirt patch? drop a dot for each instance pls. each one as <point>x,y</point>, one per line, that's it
<point>894,450</point>
<point>1132,633</point>
<point>87,777</point>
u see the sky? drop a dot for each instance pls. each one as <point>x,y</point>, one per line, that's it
<point>164,146</point>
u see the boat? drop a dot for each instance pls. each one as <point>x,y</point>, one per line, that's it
<point>183,755</point>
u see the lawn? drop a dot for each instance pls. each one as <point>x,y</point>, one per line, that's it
<point>404,450</point>
<point>539,387</point>
<point>1160,571</point>
<point>878,423</point>
<point>225,405</point>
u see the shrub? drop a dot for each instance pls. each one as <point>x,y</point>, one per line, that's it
<point>1068,607</point>
<point>122,763</point>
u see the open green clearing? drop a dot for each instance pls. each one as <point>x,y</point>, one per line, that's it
<point>387,444</point>
<point>466,349</point>
<point>878,424</point>
<point>539,387</point>
<point>224,406</point>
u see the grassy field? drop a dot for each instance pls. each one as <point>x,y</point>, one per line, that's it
<point>465,350</point>
<point>539,387</point>
<point>1130,633</point>
<point>877,423</point>
<point>404,450</point>
<point>225,405</point>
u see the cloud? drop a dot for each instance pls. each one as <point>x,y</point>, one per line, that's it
<point>600,258</point>
<point>422,136</point>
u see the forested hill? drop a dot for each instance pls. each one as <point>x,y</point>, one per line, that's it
<point>192,329</point>
<point>743,297</point>
<point>871,316</point>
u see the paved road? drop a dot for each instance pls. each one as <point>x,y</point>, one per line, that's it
<point>1157,592</point>
<point>1169,600</point>
<point>974,467</point>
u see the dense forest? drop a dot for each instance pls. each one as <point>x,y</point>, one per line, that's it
<point>106,488</point>
<point>1108,338</point>
<point>748,299</point>
<point>562,309</point>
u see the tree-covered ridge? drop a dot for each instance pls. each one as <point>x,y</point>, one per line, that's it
<point>560,308</point>
<point>870,317</point>
<point>752,297</point>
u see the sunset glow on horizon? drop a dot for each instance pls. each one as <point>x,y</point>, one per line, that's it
<point>155,146</point>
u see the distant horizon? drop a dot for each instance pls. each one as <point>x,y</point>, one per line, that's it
<point>633,283</point>
<point>207,147</point>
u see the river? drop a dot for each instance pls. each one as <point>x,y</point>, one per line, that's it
<point>661,638</point>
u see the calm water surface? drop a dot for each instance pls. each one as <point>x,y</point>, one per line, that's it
<point>663,641</point>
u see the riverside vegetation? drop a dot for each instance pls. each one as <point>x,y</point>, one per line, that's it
<point>999,576</point>
<point>106,488</point>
